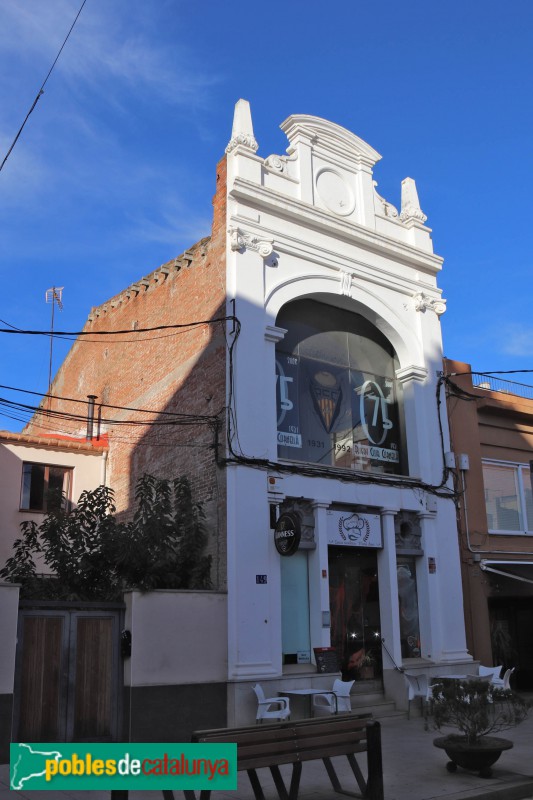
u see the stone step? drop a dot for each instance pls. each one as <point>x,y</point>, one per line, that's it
<point>385,708</point>
<point>364,687</point>
<point>368,697</point>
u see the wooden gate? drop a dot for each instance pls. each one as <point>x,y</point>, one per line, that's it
<point>68,682</point>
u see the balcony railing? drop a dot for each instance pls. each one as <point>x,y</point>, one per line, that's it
<point>492,384</point>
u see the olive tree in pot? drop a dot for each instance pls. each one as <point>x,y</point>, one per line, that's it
<point>475,708</point>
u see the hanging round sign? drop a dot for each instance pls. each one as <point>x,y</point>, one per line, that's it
<point>287,534</point>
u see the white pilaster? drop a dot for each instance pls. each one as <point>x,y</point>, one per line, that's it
<point>319,578</point>
<point>388,590</point>
<point>428,592</point>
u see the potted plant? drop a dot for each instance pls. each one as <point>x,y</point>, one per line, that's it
<point>475,708</point>
<point>366,668</point>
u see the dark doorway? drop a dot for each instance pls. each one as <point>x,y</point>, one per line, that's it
<point>512,637</point>
<point>354,606</point>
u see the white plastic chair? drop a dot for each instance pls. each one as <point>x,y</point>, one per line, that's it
<point>494,674</point>
<point>270,707</point>
<point>338,699</point>
<point>507,678</point>
<point>418,686</point>
<point>485,678</point>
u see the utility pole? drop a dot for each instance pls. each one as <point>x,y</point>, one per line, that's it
<point>53,296</point>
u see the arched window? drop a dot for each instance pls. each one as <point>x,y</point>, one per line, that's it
<point>339,403</point>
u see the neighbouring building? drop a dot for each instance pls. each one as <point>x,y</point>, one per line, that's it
<point>491,425</point>
<point>30,466</point>
<point>288,364</point>
<point>35,470</point>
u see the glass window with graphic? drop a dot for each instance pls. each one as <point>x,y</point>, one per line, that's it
<point>338,401</point>
<point>408,606</point>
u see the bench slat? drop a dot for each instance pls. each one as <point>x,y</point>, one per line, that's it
<point>271,746</point>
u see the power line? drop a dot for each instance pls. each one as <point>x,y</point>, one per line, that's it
<point>107,405</point>
<point>122,331</point>
<point>41,90</point>
<point>490,372</point>
<point>179,419</point>
<point>96,341</point>
<point>166,442</point>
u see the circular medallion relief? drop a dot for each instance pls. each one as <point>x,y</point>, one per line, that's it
<point>335,192</point>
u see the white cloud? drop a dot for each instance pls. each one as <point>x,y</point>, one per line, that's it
<point>119,67</point>
<point>171,228</point>
<point>517,340</point>
<point>108,49</point>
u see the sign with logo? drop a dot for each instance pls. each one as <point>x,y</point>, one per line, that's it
<point>351,529</point>
<point>287,534</point>
<point>334,415</point>
<point>120,767</point>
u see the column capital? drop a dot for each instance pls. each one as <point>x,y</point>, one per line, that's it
<point>388,512</point>
<point>412,373</point>
<point>320,503</point>
<point>274,334</point>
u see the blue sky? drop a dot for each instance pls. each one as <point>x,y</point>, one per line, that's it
<point>115,170</point>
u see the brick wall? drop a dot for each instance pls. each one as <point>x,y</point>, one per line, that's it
<point>181,371</point>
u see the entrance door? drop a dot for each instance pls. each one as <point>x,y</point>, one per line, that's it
<point>68,675</point>
<point>354,608</point>
<point>512,637</point>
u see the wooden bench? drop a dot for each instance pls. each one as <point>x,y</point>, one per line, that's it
<point>271,746</point>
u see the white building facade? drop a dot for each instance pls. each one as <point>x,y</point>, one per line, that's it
<point>334,421</point>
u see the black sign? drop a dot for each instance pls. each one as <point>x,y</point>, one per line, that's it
<point>326,659</point>
<point>287,534</point>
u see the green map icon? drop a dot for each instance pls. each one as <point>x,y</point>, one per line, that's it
<point>28,763</point>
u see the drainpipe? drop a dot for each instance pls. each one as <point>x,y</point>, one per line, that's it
<point>90,416</point>
<point>103,473</point>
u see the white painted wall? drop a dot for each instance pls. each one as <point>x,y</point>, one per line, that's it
<point>294,234</point>
<point>88,473</point>
<point>9,609</point>
<point>178,637</point>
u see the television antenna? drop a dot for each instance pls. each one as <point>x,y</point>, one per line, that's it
<point>53,296</point>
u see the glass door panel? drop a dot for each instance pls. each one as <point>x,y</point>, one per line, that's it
<point>295,637</point>
<point>354,608</point>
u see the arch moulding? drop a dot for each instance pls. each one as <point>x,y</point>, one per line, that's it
<point>379,313</point>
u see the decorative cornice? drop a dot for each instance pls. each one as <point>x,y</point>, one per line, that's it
<point>328,137</point>
<point>274,334</point>
<point>345,283</point>
<point>410,212</point>
<point>247,140</point>
<point>242,133</point>
<point>410,204</point>
<point>423,302</point>
<point>241,240</point>
<point>388,209</point>
<point>411,373</point>
<point>276,163</point>
<point>265,198</point>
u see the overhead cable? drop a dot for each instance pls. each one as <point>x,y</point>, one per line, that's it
<point>122,331</point>
<point>41,90</point>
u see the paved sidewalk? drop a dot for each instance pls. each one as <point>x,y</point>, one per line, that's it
<point>413,770</point>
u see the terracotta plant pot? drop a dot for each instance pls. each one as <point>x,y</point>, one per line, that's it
<point>477,757</point>
<point>366,673</point>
